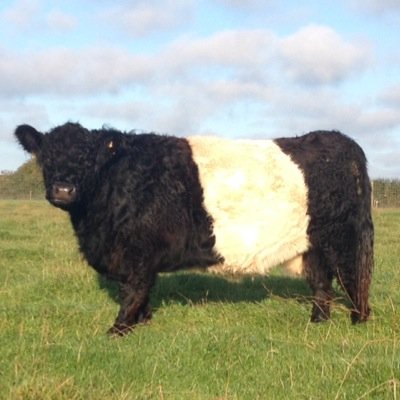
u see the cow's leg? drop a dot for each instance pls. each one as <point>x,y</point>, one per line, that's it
<point>320,280</point>
<point>363,266</point>
<point>135,308</point>
<point>356,284</point>
<point>354,264</point>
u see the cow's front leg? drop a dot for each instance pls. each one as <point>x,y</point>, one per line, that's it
<point>135,307</point>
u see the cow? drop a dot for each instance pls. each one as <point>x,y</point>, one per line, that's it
<point>143,204</point>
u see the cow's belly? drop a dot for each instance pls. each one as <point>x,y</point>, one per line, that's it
<point>258,200</point>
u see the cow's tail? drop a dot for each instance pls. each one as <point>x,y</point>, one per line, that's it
<point>364,257</point>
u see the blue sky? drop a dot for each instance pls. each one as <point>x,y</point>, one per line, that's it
<point>233,68</point>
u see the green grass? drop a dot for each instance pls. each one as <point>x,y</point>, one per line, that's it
<point>210,338</point>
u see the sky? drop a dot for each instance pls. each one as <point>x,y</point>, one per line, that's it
<point>233,68</point>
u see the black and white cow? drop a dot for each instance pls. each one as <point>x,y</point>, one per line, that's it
<point>141,204</point>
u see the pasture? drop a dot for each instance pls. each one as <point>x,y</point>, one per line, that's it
<point>210,337</point>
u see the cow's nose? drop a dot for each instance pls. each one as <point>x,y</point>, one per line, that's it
<point>64,193</point>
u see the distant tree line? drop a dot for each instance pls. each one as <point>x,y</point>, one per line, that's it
<point>27,183</point>
<point>386,193</point>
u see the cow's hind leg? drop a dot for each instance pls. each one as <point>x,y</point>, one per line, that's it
<point>355,278</point>
<point>320,279</point>
<point>354,268</point>
<point>364,267</point>
<point>356,294</point>
<point>135,307</point>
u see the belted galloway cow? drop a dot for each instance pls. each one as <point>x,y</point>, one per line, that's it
<point>141,204</point>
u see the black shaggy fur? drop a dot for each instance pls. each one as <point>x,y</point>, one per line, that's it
<point>340,229</point>
<point>136,204</point>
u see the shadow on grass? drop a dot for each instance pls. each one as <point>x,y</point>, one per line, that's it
<point>197,288</point>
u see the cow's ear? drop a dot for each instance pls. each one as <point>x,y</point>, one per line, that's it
<point>29,138</point>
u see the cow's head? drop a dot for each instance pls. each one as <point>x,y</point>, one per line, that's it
<point>71,158</point>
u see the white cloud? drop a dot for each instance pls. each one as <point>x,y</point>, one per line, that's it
<point>22,14</point>
<point>60,21</point>
<point>377,121</point>
<point>63,72</point>
<point>302,109</point>
<point>391,97</point>
<point>247,4</point>
<point>124,114</point>
<point>318,55</point>
<point>239,60</point>
<point>233,48</point>
<point>141,18</point>
<point>378,6</point>
<point>225,91</point>
<point>78,72</point>
<point>15,112</point>
<point>31,16</point>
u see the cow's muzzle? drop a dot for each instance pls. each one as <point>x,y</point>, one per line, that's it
<point>62,194</point>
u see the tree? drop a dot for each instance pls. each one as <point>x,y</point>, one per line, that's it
<point>26,182</point>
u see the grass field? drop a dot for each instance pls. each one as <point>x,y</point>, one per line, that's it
<point>210,338</point>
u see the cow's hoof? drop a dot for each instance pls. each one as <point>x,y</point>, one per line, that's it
<point>119,330</point>
<point>319,316</point>
<point>357,317</point>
